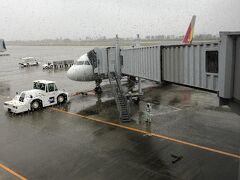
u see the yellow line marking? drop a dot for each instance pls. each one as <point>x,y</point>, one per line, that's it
<point>153,134</point>
<point>12,172</point>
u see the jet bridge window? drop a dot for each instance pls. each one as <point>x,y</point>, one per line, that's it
<point>212,61</point>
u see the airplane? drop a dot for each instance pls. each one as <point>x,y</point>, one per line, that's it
<point>83,68</point>
<point>2,46</point>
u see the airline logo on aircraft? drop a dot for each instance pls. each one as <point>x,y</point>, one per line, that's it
<point>189,34</point>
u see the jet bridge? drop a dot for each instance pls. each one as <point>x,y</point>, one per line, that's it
<point>210,66</point>
<point>194,65</point>
<point>106,59</point>
<point>143,62</point>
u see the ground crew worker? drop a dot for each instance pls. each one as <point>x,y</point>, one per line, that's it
<point>148,114</point>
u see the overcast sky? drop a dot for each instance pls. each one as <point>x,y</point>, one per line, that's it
<point>41,19</point>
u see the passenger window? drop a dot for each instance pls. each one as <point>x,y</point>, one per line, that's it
<point>55,87</point>
<point>87,63</point>
<point>212,61</point>
<point>50,87</point>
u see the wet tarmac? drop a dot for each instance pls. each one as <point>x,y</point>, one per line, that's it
<point>190,137</point>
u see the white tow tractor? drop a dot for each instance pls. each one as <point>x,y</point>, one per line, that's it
<point>44,93</point>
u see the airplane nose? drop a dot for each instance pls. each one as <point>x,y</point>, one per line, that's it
<point>70,73</point>
<point>80,73</point>
<point>73,73</point>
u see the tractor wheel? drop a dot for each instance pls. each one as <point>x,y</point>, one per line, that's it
<point>61,99</point>
<point>35,105</point>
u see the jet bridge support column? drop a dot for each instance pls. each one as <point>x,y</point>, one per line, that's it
<point>139,85</point>
<point>139,79</point>
<point>117,60</point>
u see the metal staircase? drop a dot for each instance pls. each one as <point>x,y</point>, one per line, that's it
<point>120,98</point>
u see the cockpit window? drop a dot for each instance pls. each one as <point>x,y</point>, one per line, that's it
<point>87,63</point>
<point>79,62</point>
